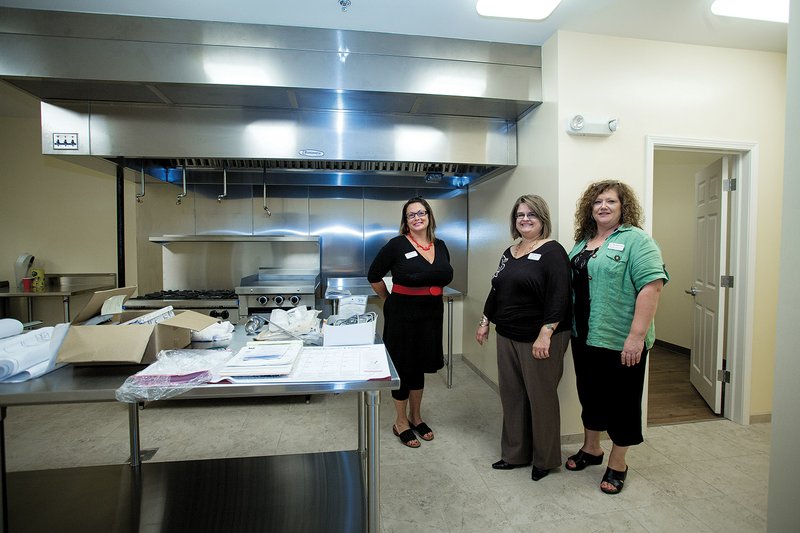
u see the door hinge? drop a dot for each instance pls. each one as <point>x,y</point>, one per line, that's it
<point>726,282</point>
<point>724,375</point>
<point>729,185</point>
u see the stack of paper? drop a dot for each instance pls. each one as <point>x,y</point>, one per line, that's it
<point>260,360</point>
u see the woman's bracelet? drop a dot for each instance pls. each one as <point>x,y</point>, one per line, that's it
<point>484,322</point>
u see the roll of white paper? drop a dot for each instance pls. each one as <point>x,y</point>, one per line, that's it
<point>9,327</point>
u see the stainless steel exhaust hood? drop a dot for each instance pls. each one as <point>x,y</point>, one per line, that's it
<point>165,94</point>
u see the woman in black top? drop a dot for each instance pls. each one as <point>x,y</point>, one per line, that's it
<point>412,331</point>
<point>529,304</point>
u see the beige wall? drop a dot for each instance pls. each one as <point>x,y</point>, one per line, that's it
<point>784,513</point>
<point>673,229</point>
<point>62,213</point>
<point>652,88</point>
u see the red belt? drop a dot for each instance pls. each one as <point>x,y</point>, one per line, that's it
<point>417,291</point>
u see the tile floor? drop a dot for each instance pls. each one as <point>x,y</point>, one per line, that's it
<point>700,477</point>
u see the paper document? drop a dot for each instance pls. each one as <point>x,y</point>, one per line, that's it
<point>343,363</point>
<point>113,305</point>
<point>258,359</point>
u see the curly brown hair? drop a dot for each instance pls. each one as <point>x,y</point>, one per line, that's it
<point>585,225</point>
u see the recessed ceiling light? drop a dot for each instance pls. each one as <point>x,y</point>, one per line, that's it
<point>517,9</point>
<point>769,10</point>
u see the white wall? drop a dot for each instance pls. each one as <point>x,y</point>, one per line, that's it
<point>652,88</point>
<point>784,512</point>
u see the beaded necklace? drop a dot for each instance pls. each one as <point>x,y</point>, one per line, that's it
<point>423,248</point>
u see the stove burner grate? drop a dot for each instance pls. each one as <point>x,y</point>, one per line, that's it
<point>216,294</point>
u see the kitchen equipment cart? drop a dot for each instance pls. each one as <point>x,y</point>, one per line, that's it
<point>335,491</point>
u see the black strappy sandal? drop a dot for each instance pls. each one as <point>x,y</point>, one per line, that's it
<point>616,479</point>
<point>582,460</point>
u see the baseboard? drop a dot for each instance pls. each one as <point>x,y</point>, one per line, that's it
<point>673,347</point>
<point>484,377</point>
<point>761,419</point>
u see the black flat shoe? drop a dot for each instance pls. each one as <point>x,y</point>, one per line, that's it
<point>582,460</point>
<point>538,473</point>
<point>502,465</point>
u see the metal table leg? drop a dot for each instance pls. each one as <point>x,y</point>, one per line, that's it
<point>373,486</point>
<point>133,430</point>
<point>66,309</point>
<point>3,485</point>
<point>30,309</point>
<point>449,342</point>
<point>362,424</point>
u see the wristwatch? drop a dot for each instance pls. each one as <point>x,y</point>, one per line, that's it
<point>551,327</point>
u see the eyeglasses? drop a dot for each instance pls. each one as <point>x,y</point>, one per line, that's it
<point>420,214</point>
<point>523,216</point>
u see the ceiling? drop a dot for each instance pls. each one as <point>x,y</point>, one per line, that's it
<point>681,21</point>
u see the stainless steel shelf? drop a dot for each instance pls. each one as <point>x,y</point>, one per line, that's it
<point>302,493</point>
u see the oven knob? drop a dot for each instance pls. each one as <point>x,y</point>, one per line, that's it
<point>295,300</point>
<point>224,315</point>
<point>213,314</point>
<point>279,300</point>
<point>262,300</point>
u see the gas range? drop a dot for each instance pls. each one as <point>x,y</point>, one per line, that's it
<point>217,303</point>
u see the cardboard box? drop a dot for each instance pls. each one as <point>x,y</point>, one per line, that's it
<point>138,343</point>
<point>351,334</point>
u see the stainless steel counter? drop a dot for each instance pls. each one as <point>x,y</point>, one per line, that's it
<point>64,286</point>
<point>72,384</point>
<point>339,288</point>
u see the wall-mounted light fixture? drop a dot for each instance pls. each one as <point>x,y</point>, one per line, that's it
<point>585,125</point>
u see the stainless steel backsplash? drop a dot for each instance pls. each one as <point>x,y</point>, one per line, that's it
<point>352,222</point>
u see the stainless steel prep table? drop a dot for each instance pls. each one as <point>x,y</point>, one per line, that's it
<point>72,384</point>
<point>64,286</point>
<point>339,288</point>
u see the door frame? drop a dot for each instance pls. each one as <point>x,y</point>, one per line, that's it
<point>742,238</point>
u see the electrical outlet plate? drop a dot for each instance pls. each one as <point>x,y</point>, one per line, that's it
<point>65,141</point>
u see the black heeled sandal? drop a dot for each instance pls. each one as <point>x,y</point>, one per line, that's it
<point>582,460</point>
<point>616,479</point>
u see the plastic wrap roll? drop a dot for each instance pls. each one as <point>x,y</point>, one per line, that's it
<point>9,327</point>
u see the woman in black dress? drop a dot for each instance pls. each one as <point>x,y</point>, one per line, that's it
<point>413,311</point>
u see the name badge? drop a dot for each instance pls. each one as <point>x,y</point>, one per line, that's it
<point>534,257</point>
<point>411,254</point>
<point>616,246</point>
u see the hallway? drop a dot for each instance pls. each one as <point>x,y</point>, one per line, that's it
<point>671,398</point>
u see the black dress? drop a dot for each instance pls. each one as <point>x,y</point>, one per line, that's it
<point>412,330</point>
